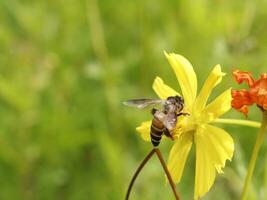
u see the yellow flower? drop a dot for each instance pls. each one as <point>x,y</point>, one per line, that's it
<point>213,145</point>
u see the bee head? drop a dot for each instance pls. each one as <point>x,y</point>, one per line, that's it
<point>177,102</point>
<point>179,99</point>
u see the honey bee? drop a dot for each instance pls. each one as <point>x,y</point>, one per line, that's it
<point>165,119</point>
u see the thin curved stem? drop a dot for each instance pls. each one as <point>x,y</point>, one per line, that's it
<point>259,141</point>
<point>138,171</point>
<point>167,173</point>
<point>249,123</point>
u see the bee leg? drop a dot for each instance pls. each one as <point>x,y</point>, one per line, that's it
<point>184,114</point>
<point>153,111</point>
<point>168,134</point>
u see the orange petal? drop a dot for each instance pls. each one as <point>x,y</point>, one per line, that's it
<point>244,110</point>
<point>258,92</point>
<point>240,76</point>
<point>240,98</point>
<point>264,76</point>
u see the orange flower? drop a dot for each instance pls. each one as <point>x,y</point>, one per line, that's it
<point>257,92</point>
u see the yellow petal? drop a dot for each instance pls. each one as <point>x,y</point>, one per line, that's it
<point>185,75</point>
<point>163,90</point>
<point>213,147</point>
<point>217,107</point>
<point>214,79</point>
<point>178,155</point>
<point>144,130</point>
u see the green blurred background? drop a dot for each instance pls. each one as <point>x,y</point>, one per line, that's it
<point>66,66</point>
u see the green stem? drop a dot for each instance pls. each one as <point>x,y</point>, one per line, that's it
<point>167,173</point>
<point>149,155</point>
<point>138,171</point>
<point>259,141</point>
<point>239,122</point>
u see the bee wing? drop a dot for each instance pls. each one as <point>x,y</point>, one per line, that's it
<point>143,103</point>
<point>170,121</point>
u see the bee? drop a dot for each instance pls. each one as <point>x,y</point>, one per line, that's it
<point>165,119</point>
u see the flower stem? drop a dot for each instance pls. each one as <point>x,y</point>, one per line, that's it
<point>259,141</point>
<point>149,155</point>
<point>167,173</point>
<point>138,171</point>
<point>239,122</point>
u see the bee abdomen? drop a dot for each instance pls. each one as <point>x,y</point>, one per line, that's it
<point>156,131</point>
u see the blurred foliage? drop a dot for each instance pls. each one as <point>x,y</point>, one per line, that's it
<point>65,68</point>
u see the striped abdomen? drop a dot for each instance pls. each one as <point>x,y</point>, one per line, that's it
<point>156,131</point>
